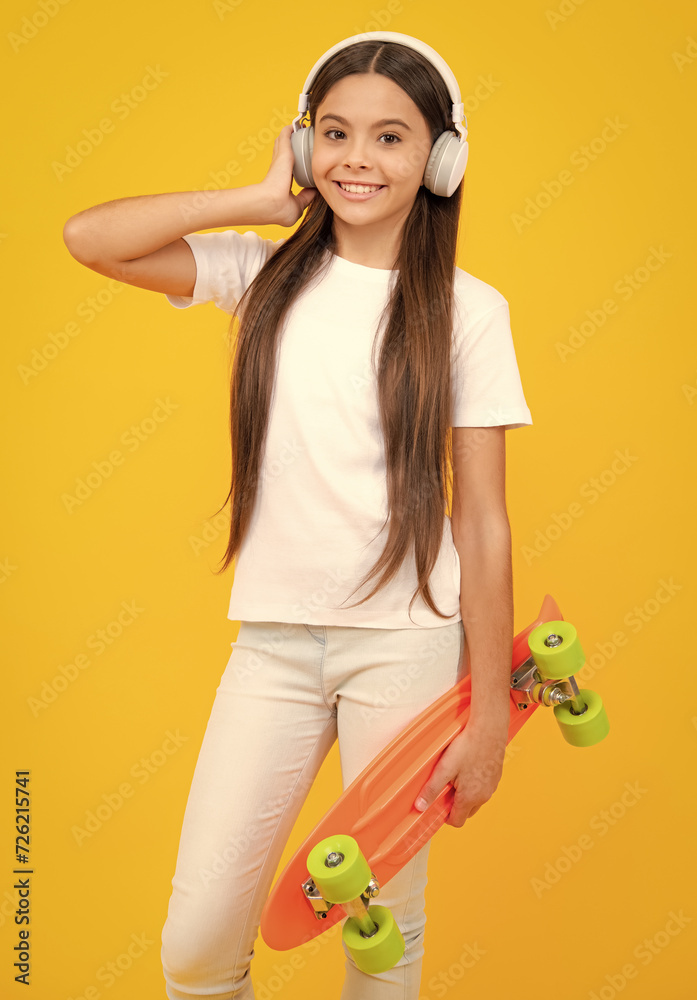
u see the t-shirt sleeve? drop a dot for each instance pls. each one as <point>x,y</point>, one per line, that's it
<point>487,389</point>
<point>226,264</point>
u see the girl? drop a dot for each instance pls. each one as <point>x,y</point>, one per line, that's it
<point>368,370</point>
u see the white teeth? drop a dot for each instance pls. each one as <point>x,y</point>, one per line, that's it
<point>359,188</point>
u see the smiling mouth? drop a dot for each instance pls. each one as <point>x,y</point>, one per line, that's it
<point>358,188</point>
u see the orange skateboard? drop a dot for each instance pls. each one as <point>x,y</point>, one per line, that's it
<point>373,829</point>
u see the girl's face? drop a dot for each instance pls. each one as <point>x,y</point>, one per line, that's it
<point>371,145</point>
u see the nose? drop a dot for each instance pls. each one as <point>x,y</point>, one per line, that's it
<point>356,155</point>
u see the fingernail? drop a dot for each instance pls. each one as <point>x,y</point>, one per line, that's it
<point>420,804</point>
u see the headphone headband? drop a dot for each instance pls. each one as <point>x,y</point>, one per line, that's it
<point>457,111</point>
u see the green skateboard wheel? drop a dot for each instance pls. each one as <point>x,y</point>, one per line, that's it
<point>338,869</point>
<point>587,729</point>
<point>380,952</point>
<point>562,659</point>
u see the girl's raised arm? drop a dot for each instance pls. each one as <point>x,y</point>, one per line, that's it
<point>139,241</point>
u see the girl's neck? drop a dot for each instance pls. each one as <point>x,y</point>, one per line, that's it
<point>363,245</point>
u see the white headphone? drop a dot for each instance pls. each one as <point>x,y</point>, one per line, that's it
<point>448,158</point>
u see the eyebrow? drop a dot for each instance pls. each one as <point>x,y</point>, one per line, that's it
<point>380,124</point>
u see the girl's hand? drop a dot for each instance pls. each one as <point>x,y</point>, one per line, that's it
<point>286,206</point>
<point>473,763</point>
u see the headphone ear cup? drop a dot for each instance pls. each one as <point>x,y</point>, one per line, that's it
<point>446,165</point>
<point>302,143</point>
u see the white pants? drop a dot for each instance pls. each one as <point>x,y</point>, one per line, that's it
<point>287,693</point>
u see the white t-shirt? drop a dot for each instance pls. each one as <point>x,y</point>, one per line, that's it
<point>322,498</point>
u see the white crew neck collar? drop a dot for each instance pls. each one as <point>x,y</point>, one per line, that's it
<point>344,266</point>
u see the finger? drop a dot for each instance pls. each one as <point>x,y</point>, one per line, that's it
<point>304,197</point>
<point>462,811</point>
<point>282,140</point>
<point>456,819</point>
<point>285,134</point>
<point>459,814</point>
<point>433,787</point>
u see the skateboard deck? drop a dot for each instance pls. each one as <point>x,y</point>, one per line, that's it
<point>377,808</point>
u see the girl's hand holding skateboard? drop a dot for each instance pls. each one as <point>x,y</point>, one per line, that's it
<point>473,764</point>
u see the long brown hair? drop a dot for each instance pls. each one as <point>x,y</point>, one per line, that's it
<point>413,370</point>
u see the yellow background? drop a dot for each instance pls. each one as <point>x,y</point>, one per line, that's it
<point>555,75</point>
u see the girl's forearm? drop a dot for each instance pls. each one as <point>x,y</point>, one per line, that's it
<point>486,601</point>
<point>128,228</point>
